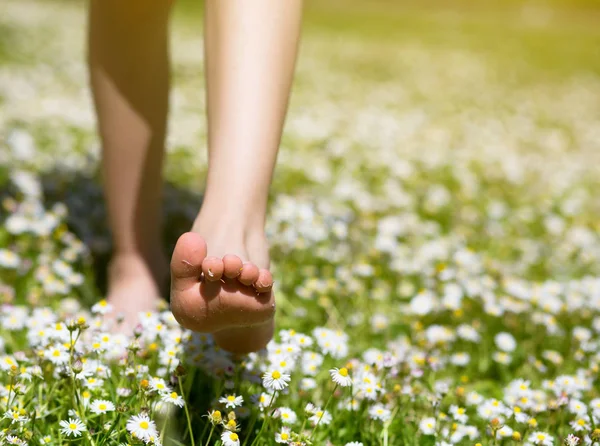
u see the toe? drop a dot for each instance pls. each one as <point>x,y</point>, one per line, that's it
<point>232,266</point>
<point>264,283</point>
<point>186,262</point>
<point>212,267</point>
<point>249,273</point>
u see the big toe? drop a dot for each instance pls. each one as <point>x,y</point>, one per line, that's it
<point>187,259</point>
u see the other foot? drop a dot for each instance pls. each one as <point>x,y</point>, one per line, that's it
<point>132,289</point>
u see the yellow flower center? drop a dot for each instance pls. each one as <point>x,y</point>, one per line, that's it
<point>344,371</point>
<point>285,436</point>
<point>72,426</point>
<point>231,398</point>
<point>144,425</point>
<point>174,395</point>
<point>102,406</point>
<point>460,411</point>
<point>56,353</point>
<point>276,374</point>
<point>233,436</point>
<point>581,422</point>
<point>541,436</point>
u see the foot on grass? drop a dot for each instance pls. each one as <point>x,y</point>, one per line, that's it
<point>228,293</point>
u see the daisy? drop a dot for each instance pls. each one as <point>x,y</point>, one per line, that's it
<point>427,426</point>
<point>230,439</point>
<point>275,380</point>
<point>72,427</point>
<point>287,415</point>
<point>283,436</point>
<point>320,417</point>
<point>101,406</point>
<point>572,440</point>
<point>158,385</point>
<point>57,354</point>
<point>341,377</point>
<point>379,412</point>
<point>541,438</point>
<point>102,307</point>
<point>354,443</point>
<point>505,342</point>
<point>142,427</point>
<point>231,401</point>
<point>459,413</point>
<point>173,398</point>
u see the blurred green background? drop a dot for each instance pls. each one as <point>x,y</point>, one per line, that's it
<point>557,36</point>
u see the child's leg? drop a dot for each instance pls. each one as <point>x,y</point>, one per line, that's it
<point>250,54</point>
<point>129,69</point>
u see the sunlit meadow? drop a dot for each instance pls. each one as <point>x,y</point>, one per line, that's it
<point>434,228</point>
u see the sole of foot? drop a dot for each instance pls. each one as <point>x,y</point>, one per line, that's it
<point>225,296</point>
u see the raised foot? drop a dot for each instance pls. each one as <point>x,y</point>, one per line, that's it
<point>224,296</point>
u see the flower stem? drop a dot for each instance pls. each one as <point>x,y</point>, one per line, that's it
<point>210,435</point>
<point>267,420</point>
<point>187,415</point>
<point>324,409</point>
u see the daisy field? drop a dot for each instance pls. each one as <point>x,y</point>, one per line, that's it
<point>434,228</point>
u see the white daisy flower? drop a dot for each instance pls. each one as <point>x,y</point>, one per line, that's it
<point>142,427</point>
<point>540,438</point>
<point>73,427</point>
<point>173,398</point>
<point>230,439</point>
<point>275,380</point>
<point>341,377</point>
<point>283,436</point>
<point>101,406</point>
<point>427,426</point>
<point>159,385</point>
<point>322,415</point>
<point>505,342</point>
<point>287,415</point>
<point>232,401</point>
<point>379,412</point>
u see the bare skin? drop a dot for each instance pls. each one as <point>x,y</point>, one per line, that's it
<point>250,51</point>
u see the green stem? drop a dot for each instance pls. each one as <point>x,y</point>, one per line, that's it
<point>324,409</point>
<point>187,414</point>
<point>268,415</point>
<point>252,423</point>
<point>210,435</point>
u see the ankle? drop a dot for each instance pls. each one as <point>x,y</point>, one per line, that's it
<point>236,226</point>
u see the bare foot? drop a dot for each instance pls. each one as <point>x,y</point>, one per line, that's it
<point>133,289</point>
<point>228,293</point>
